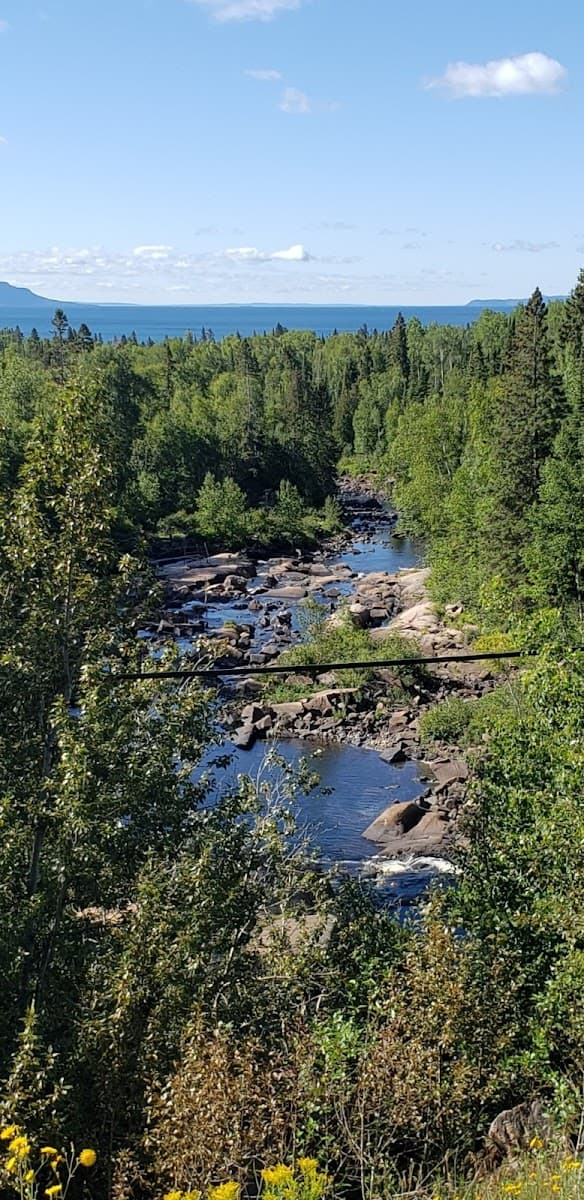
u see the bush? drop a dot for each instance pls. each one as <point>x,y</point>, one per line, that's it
<point>446,722</point>
<point>466,722</point>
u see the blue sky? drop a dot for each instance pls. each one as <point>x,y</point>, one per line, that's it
<point>198,151</point>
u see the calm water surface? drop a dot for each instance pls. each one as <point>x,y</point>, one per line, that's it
<point>157,322</point>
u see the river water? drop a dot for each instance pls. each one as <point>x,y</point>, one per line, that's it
<point>356,785</point>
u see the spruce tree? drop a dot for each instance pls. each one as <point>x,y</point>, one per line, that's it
<point>526,421</point>
<point>398,341</point>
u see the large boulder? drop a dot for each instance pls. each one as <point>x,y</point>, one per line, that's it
<point>289,709</point>
<point>360,615</point>
<point>294,592</point>
<point>244,738</point>
<point>447,773</point>
<point>252,713</point>
<point>397,819</point>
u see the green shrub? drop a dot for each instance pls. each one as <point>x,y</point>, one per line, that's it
<point>446,722</point>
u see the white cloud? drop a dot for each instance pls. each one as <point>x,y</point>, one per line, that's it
<point>295,101</point>
<point>153,252</point>
<point>265,76</point>
<point>247,10</point>
<point>246,254</point>
<point>294,254</point>
<point>521,247</point>
<point>525,74</point>
<point>251,254</point>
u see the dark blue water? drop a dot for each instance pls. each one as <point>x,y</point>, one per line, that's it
<point>382,552</point>
<point>355,787</point>
<point>157,322</point>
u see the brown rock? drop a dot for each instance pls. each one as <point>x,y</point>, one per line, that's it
<point>448,773</point>
<point>397,819</point>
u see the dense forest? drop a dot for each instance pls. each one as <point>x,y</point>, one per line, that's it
<point>183,989</point>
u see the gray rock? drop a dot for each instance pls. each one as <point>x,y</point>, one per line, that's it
<point>394,754</point>
<point>252,713</point>
<point>244,737</point>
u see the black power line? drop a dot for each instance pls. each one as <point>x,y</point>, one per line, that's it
<point>318,668</point>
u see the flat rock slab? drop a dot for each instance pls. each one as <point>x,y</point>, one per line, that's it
<point>287,593</point>
<point>291,708</point>
<point>418,618</point>
<point>447,773</point>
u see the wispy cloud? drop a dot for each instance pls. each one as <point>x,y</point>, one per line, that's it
<point>247,10</point>
<point>264,76</point>
<point>295,101</point>
<point>3,141</point>
<point>521,247</point>
<point>249,254</point>
<point>333,226</point>
<point>523,75</point>
<point>385,232</point>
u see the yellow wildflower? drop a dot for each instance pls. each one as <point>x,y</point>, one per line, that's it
<point>277,1176</point>
<point>536,1144</point>
<point>173,1196</point>
<point>572,1164</point>
<point>191,1196</point>
<point>54,1190</point>
<point>555,1178</point>
<point>308,1165</point>
<point>224,1191</point>
<point>20,1147</point>
<point>555,1187</point>
<point>28,1178</point>
<point>11,1165</point>
<point>49,1151</point>
<point>88,1158</point>
<point>7,1134</point>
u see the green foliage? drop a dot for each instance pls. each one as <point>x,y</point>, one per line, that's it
<point>337,639</point>
<point>461,722</point>
<point>446,722</point>
<point>222,513</point>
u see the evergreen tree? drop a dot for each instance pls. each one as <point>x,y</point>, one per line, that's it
<point>398,340</point>
<point>526,420</point>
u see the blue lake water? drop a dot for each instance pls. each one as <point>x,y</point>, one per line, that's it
<point>157,322</point>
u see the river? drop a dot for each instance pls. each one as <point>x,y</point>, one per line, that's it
<point>356,784</point>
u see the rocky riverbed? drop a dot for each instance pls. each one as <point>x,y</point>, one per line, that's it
<point>250,610</point>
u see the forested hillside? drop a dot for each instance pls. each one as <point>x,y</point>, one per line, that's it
<point>185,993</point>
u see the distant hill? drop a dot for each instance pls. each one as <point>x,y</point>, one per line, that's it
<point>17,297</point>
<point>507,303</point>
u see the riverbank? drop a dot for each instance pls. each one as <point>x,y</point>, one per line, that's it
<point>250,613</point>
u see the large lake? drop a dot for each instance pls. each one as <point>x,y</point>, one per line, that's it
<point>114,321</point>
